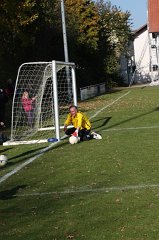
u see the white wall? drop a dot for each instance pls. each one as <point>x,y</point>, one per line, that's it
<point>142,58</point>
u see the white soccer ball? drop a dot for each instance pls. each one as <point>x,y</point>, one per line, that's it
<point>73,140</point>
<point>3,160</point>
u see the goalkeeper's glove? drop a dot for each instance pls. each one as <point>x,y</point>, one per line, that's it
<point>65,128</point>
<point>75,134</point>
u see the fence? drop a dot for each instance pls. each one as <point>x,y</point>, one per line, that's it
<point>92,91</point>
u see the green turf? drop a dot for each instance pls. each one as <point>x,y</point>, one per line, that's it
<point>100,189</point>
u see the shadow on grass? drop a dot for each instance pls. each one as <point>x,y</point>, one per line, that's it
<point>32,153</point>
<point>24,156</point>
<point>135,117</point>
<point>26,153</point>
<point>11,193</point>
<point>4,150</point>
<point>101,122</point>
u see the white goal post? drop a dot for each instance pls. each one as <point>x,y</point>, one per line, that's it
<point>43,93</point>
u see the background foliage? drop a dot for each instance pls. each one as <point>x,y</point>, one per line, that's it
<point>31,30</point>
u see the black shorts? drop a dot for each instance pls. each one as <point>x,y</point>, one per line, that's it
<point>84,134</point>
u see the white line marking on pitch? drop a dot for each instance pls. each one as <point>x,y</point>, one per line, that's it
<point>17,169</point>
<point>5,177</point>
<point>109,104</point>
<point>93,190</point>
<point>131,128</point>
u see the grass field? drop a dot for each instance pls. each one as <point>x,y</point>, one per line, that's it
<point>100,189</point>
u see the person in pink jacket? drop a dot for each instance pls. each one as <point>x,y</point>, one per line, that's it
<point>27,104</point>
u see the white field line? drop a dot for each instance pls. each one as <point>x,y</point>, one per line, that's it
<point>17,169</point>
<point>109,104</point>
<point>131,128</point>
<point>93,190</point>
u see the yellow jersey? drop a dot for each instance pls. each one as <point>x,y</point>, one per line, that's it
<point>79,120</point>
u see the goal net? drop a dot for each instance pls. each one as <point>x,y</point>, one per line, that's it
<point>42,95</point>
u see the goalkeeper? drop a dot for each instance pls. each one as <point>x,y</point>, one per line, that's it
<point>81,125</point>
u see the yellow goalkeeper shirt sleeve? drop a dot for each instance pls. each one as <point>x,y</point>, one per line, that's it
<point>79,120</point>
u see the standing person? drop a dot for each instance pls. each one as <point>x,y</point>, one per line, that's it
<point>81,125</point>
<point>27,104</point>
<point>9,90</point>
<point>3,101</point>
<point>3,138</point>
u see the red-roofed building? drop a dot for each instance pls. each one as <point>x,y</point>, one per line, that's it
<point>142,63</point>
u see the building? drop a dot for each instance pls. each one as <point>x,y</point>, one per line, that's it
<point>141,65</point>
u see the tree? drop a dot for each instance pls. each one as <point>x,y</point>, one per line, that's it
<point>82,23</point>
<point>115,31</point>
<point>31,30</point>
<point>22,24</point>
<point>82,19</point>
<point>15,16</point>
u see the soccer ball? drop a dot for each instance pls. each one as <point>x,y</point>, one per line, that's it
<point>3,160</point>
<point>73,140</point>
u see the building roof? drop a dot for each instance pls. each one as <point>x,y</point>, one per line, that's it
<point>153,16</point>
<point>140,30</point>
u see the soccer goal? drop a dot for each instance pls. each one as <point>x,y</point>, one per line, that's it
<point>43,92</point>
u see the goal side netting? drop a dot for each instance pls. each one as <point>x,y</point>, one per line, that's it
<point>43,92</point>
